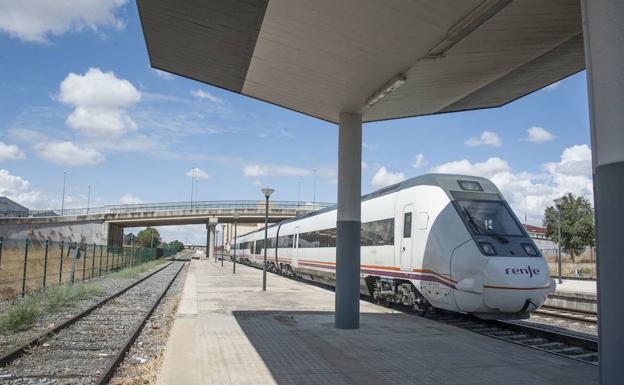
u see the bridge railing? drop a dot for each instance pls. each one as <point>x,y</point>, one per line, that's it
<point>169,206</point>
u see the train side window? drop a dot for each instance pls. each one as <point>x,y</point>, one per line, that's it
<point>407,225</point>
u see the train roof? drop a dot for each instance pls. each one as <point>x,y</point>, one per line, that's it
<point>448,183</point>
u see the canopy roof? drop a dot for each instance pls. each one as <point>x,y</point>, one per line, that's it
<point>324,57</point>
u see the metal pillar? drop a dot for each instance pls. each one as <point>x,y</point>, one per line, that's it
<point>348,222</point>
<point>603,27</point>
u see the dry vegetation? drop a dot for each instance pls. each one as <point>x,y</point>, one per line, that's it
<point>12,267</point>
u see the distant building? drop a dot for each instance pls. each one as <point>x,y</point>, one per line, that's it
<point>9,208</point>
<point>536,231</point>
<point>129,239</point>
<point>545,244</point>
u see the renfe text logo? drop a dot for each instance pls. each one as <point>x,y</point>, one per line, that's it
<point>530,271</point>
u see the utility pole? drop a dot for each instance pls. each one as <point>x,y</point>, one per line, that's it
<point>88,198</point>
<point>63,199</point>
<point>192,184</point>
<point>314,193</point>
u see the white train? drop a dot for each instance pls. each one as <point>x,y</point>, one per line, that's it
<point>435,241</point>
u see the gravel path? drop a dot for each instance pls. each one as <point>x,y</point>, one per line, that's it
<point>80,353</point>
<point>47,321</point>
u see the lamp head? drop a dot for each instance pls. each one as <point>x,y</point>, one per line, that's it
<point>267,192</point>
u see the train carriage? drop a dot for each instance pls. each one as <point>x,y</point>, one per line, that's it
<point>435,241</point>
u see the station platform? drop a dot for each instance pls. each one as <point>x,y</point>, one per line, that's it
<point>227,331</point>
<point>575,294</point>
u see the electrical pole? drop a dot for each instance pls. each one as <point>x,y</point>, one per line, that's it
<point>63,199</point>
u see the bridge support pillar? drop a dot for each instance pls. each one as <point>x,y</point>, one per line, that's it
<point>348,222</point>
<point>210,237</point>
<point>114,234</point>
<point>603,30</point>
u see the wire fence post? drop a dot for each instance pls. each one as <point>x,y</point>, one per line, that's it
<point>101,255</point>
<point>45,262</point>
<point>93,262</point>
<point>84,262</point>
<point>61,263</point>
<point>107,251</point>
<point>1,243</point>
<point>25,267</point>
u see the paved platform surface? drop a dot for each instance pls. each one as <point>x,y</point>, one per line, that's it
<point>227,331</point>
<point>577,286</point>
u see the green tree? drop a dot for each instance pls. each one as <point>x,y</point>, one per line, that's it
<point>176,245</point>
<point>577,224</point>
<point>148,237</point>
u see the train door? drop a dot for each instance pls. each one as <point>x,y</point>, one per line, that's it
<point>295,248</point>
<point>406,237</point>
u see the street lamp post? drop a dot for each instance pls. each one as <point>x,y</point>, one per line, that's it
<point>558,203</point>
<point>314,192</point>
<point>63,199</point>
<point>235,245</point>
<point>267,193</point>
<point>88,198</point>
<point>192,185</point>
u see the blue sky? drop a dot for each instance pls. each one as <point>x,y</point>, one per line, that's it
<point>78,95</point>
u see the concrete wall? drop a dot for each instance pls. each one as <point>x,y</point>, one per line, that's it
<point>94,231</point>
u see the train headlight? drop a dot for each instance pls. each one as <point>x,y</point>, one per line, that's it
<point>487,248</point>
<point>529,249</point>
<point>470,185</point>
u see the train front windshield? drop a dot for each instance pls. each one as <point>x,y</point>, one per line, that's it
<point>489,217</point>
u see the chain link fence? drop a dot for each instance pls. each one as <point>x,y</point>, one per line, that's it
<point>30,265</point>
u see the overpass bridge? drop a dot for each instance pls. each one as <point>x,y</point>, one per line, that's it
<point>105,225</point>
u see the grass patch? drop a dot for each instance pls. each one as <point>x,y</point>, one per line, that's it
<point>21,316</point>
<point>133,272</point>
<point>67,295</point>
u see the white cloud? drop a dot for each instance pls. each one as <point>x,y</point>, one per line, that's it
<point>198,173</point>
<point>383,178</point>
<point>419,161</point>
<point>19,190</point>
<point>100,100</point>
<point>572,174</point>
<point>538,135</point>
<point>68,153</point>
<point>257,182</point>
<point>486,169</point>
<point>129,199</point>
<point>10,152</point>
<point>205,95</point>
<point>255,170</point>
<point>487,138</point>
<point>163,74</point>
<point>36,20</point>
<point>553,86</point>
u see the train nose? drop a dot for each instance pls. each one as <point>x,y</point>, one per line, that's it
<point>514,285</point>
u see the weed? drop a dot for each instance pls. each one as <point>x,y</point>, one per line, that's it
<point>133,272</point>
<point>20,316</point>
<point>67,295</point>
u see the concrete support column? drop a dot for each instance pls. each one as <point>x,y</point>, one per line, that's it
<point>603,27</point>
<point>210,240</point>
<point>348,221</point>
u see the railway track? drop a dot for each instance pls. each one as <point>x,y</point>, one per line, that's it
<point>568,314</point>
<point>572,346</point>
<point>87,348</point>
<point>567,345</point>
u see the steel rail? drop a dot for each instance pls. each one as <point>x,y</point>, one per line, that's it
<point>110,370</point>
<point>18,352</point>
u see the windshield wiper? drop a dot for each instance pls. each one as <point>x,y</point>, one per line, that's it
<point>477,224</point>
